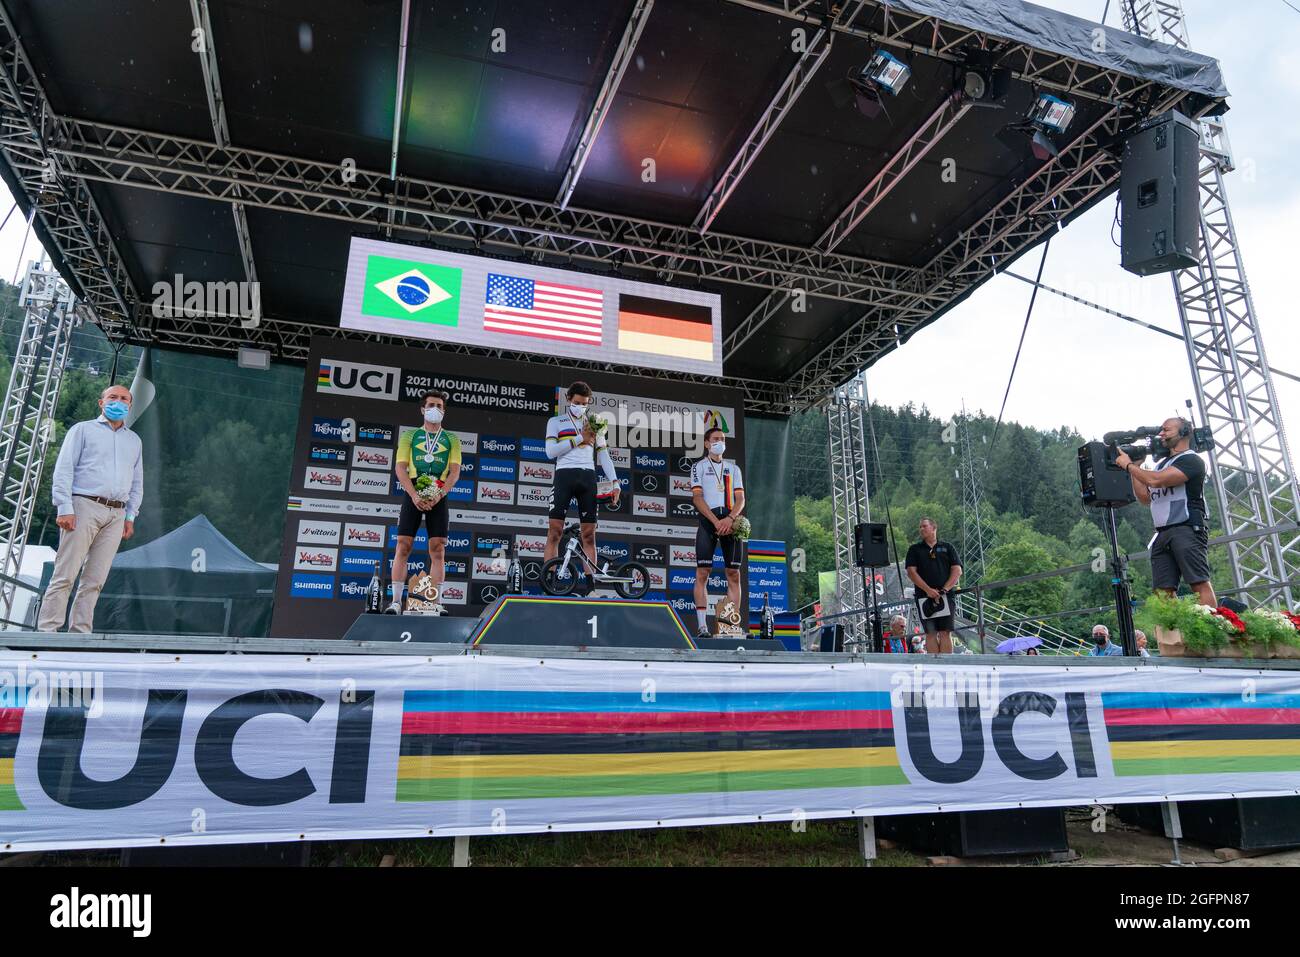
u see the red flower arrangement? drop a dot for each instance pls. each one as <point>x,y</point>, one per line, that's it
<point>1293,618</point>
<point>1238,625</point>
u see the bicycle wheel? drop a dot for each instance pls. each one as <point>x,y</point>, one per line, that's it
<point>553,583</point>
<point>640,583</point>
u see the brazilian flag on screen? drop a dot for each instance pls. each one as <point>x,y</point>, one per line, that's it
<point>413,291</point>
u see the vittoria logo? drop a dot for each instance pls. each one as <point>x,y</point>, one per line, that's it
<point>374,483</point>
<point>323,532</point>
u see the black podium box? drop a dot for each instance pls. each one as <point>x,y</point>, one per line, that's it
<point>1039,830</point>
<point>411,628</point>
<point>1251,824</point>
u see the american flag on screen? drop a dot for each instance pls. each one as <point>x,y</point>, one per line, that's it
<point>543,310</point>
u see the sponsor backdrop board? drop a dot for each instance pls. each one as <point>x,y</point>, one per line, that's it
<point>341,515</point>
<point>414,292</point>
<point>287,748</point>
<point>767,574</point>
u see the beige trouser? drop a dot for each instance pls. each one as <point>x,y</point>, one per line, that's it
<point>92,544</point>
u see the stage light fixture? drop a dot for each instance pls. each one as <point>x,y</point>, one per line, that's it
<point>1051,114</point>
<point>883,74</point>
<point>259,359</point>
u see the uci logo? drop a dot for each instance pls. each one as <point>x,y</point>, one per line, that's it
<point>354,378</point>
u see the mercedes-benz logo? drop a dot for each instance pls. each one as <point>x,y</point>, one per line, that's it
<point>489,594</point>
<point>649,483</point>
<point>684,464</point>
<point>532,571</point>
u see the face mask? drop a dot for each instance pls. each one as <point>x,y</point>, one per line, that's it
<point>116,410</point>
<point>717,448</point>
<point>577,411</point>
<point>1099,639</point>
<point>433,414</point>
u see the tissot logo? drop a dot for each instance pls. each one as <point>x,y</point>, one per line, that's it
<point>622,458</point>
<point>535,496</point>
<point>354,378</point>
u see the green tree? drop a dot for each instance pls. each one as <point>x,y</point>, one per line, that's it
<point>1017,558</point>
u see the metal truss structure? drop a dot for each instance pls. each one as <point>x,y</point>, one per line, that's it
<point>1255,481</point>
<point>850,495</point>
<point>976,533</point>
<point>55,157</point>
<point>27,415</point>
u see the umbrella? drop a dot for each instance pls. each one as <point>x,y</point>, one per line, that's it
<point>1023,643</point>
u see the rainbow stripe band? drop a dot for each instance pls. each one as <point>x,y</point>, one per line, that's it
<point>1167,733</point>
<point>496,745</point>
<point>11,722</point>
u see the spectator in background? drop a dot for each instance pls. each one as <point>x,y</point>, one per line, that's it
<point>97,488</point>
<point>1141,637</point>
<point>1101,643</point>
<point>896,639</point>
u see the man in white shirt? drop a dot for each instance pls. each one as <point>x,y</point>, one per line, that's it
<point>719,495</point>
<point>97,488</point>
<point>573,445</point>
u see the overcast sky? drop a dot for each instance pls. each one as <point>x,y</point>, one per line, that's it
<point>1081,368</point>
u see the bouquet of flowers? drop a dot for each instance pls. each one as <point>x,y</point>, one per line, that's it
<point>1271,626</point>
<point>428,487</point>
<point>741,528</point>
<point>1238,627</point>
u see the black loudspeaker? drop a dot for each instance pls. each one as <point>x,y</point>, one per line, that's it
<point>1159,196</point>
<point>1039,830</point>
<point>1247,823</point>
<point>1104,485</point>
<point>870,549</point>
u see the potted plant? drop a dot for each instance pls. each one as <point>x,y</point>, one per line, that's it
<point>1275,630</point>
<point>1185,628</point>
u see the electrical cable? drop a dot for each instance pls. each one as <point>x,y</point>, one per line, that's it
<point>1028,312</point>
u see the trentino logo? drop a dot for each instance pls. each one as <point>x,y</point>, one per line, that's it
<point>408,290</point>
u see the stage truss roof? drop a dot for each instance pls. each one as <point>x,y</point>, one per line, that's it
<point>831,237</point>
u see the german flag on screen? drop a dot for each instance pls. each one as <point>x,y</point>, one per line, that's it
<point>665,328</point>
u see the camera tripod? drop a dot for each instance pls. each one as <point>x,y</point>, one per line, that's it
<point>1119,584</point>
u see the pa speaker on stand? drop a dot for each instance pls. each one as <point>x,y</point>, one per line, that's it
<point>871,551</point>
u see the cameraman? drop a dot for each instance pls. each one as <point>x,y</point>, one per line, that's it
<point>1175,490</point>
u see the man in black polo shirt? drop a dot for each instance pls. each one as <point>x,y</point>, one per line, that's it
<point>935,570</point>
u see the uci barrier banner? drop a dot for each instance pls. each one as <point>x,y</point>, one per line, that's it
<point>132,750</point>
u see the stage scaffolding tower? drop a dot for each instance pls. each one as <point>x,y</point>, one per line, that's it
<point>27,415</point>
<point>1255,483</point>
<point>850,498</point>
<point>977,535</point>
